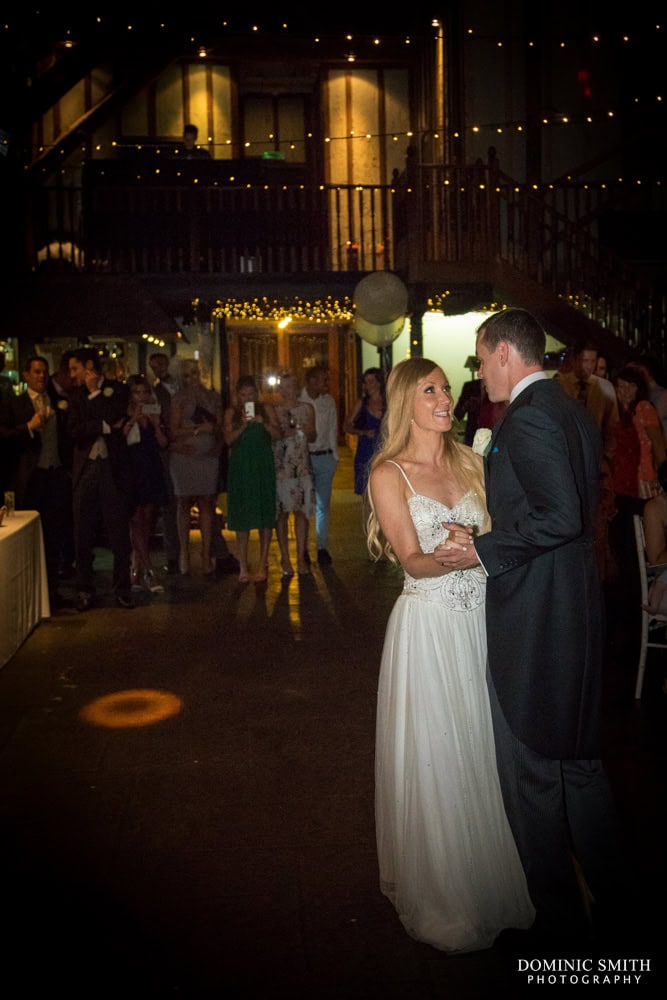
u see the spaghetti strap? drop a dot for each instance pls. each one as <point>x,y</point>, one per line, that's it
<point>402,472</point>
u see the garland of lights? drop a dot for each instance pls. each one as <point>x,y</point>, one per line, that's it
<point>497,128</point>
<point>327,310</point>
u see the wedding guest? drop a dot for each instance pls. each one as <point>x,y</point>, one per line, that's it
<point>250,427</point>
<point>579,381</point>
<point>100,475</point>
<point>638,450</point>
<point>191,150</point>
<point>479,411</point>
<point>655,537</point>
<point>657,393</point>
<point>602,367</point>
<point>146,439</point>
<point>35,425</point>
<point>196,441</point>
<point>295,493</point>
<point>165,387</point>
<point>323,454</point>
<point>60,388</point>
<point>364,423</point>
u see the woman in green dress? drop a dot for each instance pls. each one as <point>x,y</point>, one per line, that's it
<point>250,428</point>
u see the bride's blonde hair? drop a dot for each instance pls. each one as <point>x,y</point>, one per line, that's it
<point>395,432</point>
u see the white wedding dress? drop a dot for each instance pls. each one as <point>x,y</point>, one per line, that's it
<point>447,858</point>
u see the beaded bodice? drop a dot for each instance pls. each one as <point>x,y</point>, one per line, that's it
<point>461,589</point>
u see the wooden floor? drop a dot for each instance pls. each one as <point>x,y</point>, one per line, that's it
<point>186,795</point>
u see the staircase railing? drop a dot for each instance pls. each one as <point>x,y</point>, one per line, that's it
<point>472,214</point>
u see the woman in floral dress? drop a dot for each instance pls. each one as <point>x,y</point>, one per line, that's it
<point>294,481</point>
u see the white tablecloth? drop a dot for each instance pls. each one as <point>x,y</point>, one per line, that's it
<point>24,590</point>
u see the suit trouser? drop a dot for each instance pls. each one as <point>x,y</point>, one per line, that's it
<point>169,516</point>
<point>96,496</point>
<point>49,491</point>
<point>559,809</point>
<point>324,470</point>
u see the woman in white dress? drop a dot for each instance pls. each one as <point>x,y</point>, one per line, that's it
<point>447,858</point>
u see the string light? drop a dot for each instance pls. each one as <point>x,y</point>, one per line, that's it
<point>83,24</point>
<point>284,311</point>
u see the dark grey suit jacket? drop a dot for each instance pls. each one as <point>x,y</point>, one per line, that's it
<point>26,447</point>
<point>85,423</point>
<point>544,603</point>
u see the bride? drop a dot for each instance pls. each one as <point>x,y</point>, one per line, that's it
<point>447,859</point>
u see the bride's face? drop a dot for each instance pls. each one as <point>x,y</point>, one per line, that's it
<point>433,402</point>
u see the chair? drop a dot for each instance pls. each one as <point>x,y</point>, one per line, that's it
<point>650,622</point>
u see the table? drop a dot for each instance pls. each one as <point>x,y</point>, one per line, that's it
<point>24,590</point>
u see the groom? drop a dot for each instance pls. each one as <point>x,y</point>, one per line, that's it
<point>545,629</point>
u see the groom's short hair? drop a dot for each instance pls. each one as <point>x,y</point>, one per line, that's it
<point>519,328</point>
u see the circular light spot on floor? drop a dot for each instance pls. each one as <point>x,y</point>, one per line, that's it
<point>131,709</point>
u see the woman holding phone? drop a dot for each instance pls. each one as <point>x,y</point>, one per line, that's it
<point>145,437</point>
<point>250,427</point>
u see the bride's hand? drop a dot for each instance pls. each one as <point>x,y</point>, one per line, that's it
<point>460,535</point>
<point>457,551</point>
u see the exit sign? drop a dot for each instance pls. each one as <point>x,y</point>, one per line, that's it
<point>273,155</point>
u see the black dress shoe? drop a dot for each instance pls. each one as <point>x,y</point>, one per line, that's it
<point>84,601</point>
<point>124,600</point>
<point>323,557</point>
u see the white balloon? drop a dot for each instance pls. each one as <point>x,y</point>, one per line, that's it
<point>378,334</point>
<point>381,298</point>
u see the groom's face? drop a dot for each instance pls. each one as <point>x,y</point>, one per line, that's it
<point>493,372</point>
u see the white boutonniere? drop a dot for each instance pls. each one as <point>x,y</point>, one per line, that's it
<point>481,441</point>
<point>107,392</point>
<point>62,404</point>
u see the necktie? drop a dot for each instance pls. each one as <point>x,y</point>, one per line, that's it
<point>583,389</point>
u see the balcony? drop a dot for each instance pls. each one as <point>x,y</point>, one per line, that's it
<point>436,225</point>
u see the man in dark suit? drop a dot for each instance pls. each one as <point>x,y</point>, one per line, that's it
<point>100,475</point>
<point>479,411</point>
<point>59,389</point>
<point>35,423</point>
<point>545,630</point>
<point>468,406</point>
<point>165,387</point>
